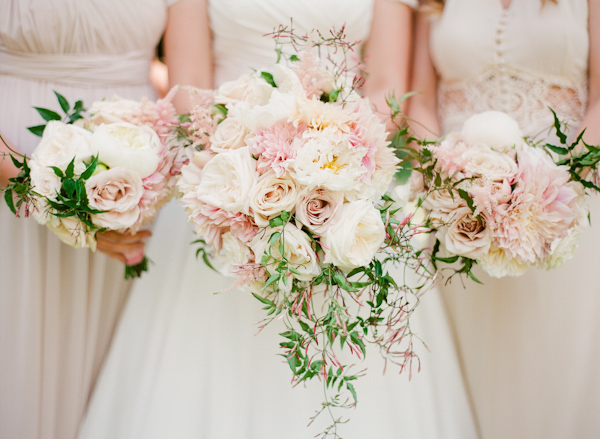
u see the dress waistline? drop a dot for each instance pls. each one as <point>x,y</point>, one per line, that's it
<point>131,68</point>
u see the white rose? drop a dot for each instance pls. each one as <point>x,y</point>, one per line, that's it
<point>60,144</point>
<point>317,209</point>
<point>137,148</point>
<point>465,234</point>
<point>482,160</point>
<point>232,254</point>
<point>113,110</point>
<point>73,233</point>
<point>495,129</point>
<point>227,180</point>
<point>44,181</point>
<point>118,191</point>
<point>270,196</point>
<point>356,237</point>
<point>230,134</point>
<point>251,89</point>
<point>297,248</point>
<point>41,212</point>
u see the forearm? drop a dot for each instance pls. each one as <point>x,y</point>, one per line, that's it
<point>7,167</point>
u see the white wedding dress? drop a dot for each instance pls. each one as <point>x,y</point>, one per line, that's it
<point>528,344</point>
<point>186,364</point>
<point>59,305</point>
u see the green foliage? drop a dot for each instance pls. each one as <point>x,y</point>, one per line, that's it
<point>135,271</point>
<point>269,78</point>
<point>70,115</point>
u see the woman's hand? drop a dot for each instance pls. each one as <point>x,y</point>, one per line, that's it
<point>128,249</point>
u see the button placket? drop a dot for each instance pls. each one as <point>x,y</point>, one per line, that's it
<point>499,55</point>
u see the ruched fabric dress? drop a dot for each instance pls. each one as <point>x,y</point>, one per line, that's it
<point>59,305</point>
<point>187,364</point>
<point>528,344</point>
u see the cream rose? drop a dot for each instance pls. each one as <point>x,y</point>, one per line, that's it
<point>230,134</point>
<point>60,144</point>
<point>227,181</point>
<point>270,196</point>
<point>482,160</point>
<point>355,238</point>
<point>114,110</point>
<point>499,263</point>
<point>297,249</point>
<point>137,148</point>
<point>317,209</point>
<point>465,234</point>
<point>495,129</point>
<point>118,191</point>
<point>44,181</point>
<point>251,89</point>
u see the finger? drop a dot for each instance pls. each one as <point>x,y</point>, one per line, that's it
<point>123,238</point>
<point>114,247</point>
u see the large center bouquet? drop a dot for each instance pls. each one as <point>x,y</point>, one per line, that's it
<point>111,168</point>
<point>288,195</point>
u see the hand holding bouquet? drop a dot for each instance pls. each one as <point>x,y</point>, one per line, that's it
<point>111,170</point>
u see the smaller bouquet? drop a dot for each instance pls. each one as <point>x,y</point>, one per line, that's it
<point>110,170</point>
<point>495,200</point>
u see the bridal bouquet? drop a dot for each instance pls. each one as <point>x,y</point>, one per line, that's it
<point>288,194</point>
<point>111,170</point>
<point>498,201</point>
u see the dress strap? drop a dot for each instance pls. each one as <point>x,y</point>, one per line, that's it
<point>130,68</point>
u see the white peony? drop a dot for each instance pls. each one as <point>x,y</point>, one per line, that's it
<point>137,148</point>
<point>60,144</point>
<point>227,180</point>
<point>270,196</point>
<point>495,129</point>
<point>323,161</point>
<point>562,249</point>
<point>356,237</point>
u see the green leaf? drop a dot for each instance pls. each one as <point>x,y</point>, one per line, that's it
<point>268,77</point>
<point>449,260</point>
<point>16,162</point>
<point>274,277</point>
<point>465,196</point>
<point>70,171</point>
<point>57,171</point>
<point>294,58</point>
<point>48,115</point>
<point>263,300</point>
<point>221,109</point>
<point>62,101</point>
<point>557,149</point>
<point>8,197</point>
<point>340,279</point>
<point>134,271</point>
<point>69,187</point>
<point>89,171</point>
<point>38,130</point>
<point>78,106</point>
<point>562,136</point>
<point>350,387</point>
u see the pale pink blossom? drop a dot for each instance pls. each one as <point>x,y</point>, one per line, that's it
<point>275,146</point>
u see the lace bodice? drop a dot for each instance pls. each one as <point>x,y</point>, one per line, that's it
<point>519,60</point>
